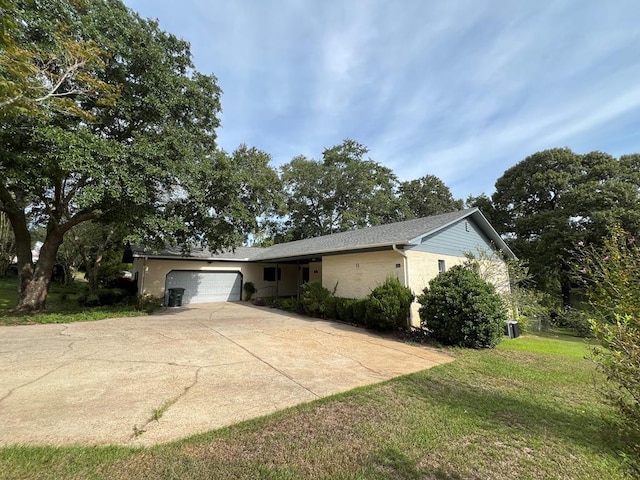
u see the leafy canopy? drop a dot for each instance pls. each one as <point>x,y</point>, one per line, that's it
<point>554,198</point>
<point>341,192</point>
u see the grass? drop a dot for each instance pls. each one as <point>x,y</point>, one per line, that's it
<point>62,306</point>
<point>528,409</point>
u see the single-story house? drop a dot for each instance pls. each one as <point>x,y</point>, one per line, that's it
<point>352,262</point>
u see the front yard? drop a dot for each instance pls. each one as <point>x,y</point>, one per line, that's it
<point>528,409</point>
<point>63,305</point>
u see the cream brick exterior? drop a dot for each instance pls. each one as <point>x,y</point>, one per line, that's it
<point>423,267</point>
<point>358,273</point>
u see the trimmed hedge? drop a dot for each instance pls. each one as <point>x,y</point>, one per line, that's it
<point>460,308</point>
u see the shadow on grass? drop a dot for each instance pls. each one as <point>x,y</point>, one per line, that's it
<point>534,416</point>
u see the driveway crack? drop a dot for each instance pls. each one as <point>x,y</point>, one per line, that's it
<point>10,392</point>
<point>157,413</point>
<point>284,374</point>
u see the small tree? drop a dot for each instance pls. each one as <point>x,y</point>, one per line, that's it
<point>460,308</point>
<point>388,305</point>
<point>612,278</point>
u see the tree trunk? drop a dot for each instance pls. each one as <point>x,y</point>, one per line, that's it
<point>33,293</point>
<point>23,251</point>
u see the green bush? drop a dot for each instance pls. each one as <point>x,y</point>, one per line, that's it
<point>344,309</point>
<point>460,308</point>
<point>314,297</point>
<point>575,320</point>
<point>360,310</point>
<point>291,305</point>
<point>330,307</point>
<point>388,305</point>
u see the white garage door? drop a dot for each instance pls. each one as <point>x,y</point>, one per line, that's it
<point>204,287</point>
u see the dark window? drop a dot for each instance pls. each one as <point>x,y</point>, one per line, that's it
<point>270,274</point>
<point>305,274</point>
<point>441,266</point>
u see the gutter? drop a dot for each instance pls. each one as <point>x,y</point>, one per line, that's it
<point>405,264</point>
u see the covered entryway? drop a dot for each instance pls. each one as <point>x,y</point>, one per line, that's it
<point>206,286</point>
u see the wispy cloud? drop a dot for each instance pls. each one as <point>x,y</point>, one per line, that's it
<point>462,90</point>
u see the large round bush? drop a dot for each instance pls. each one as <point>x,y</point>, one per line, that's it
<point>460,308</point>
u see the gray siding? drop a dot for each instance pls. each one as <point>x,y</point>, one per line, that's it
<point>457,239</point>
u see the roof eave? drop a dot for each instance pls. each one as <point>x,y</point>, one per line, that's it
<point>319,253</point>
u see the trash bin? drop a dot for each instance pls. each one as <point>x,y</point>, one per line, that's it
<point>175,297</point>
<point>513,329</point>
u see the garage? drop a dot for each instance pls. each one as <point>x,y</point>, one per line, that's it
<point>205,287</point>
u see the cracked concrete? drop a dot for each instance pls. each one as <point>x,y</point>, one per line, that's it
<point>212,365</point>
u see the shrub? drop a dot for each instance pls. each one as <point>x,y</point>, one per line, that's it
<point>291,305</point>
<point>249,289</point>
<point>330,307</point>
<point>360,310</point>
<point>313,298</point>
<point>460,308</point>
<point>344,309</point>
<point>388,305</point>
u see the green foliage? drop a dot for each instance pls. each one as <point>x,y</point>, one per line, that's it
<point>314,297</point>
<point>147,161</point>
<point>554,198</point>
<point>56,73</point>
<point>291,305</point>
<point>330,307</point>
<point>611,275</point>
<point>249,289</point>
<point>344,309</point>
<point>360,310</point>
<point>428,196</point>
<point>460,308</point>
<point>388,306</point>
<point>342,192</point>
<point>514,283</point>
<point>619,360</point>
<point>573,319</point>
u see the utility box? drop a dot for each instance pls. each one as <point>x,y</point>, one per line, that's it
<point>175,297</point>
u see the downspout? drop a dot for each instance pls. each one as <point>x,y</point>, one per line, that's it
<point>405,269</point>
<point>144,269</point>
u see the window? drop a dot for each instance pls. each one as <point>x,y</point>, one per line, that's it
<point>270,274</point>
<point>441,266</point>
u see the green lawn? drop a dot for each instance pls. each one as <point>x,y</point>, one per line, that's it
<point>62,306</point>
<point>526,410</point>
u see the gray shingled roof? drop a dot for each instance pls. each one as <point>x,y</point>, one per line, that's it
<point>380,235</point>
<point>399,233</point>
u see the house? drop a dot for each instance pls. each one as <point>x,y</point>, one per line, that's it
<point>353,262</point>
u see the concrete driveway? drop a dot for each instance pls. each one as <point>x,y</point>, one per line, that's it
<point>147,380</point>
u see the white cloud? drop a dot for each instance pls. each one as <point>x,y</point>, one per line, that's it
<point>462,90</point>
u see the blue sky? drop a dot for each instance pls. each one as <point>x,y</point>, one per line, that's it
<point>461,89</point>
